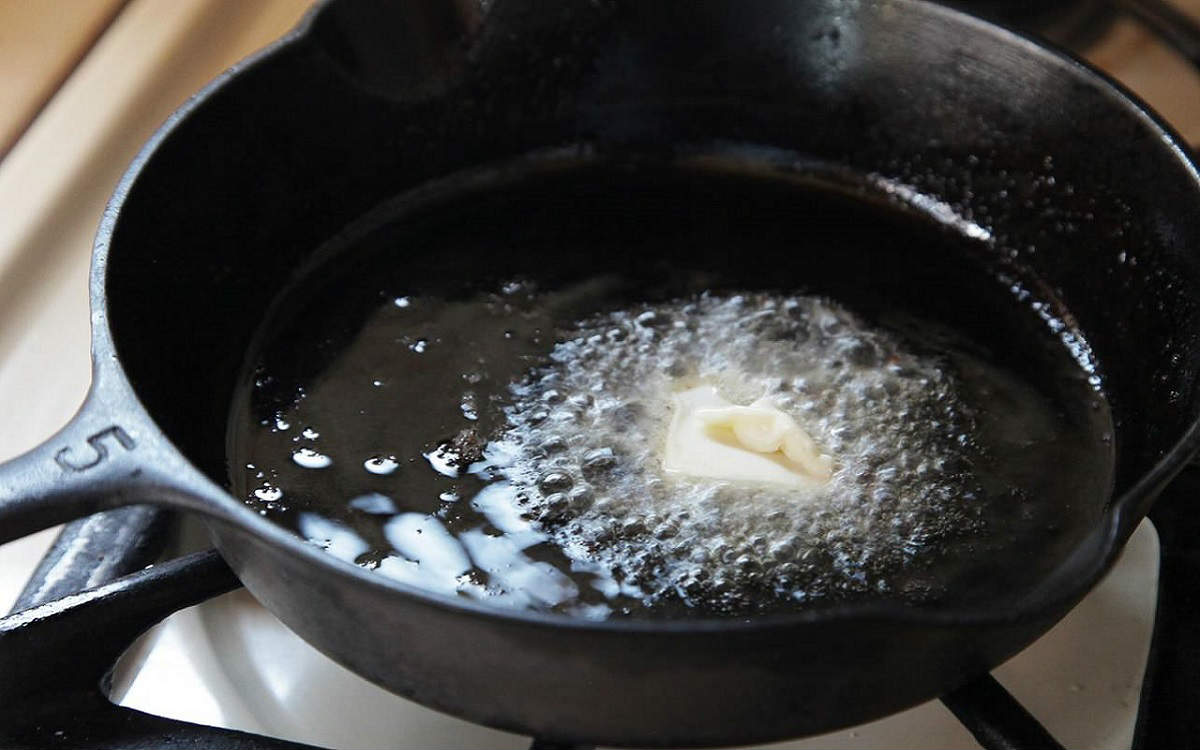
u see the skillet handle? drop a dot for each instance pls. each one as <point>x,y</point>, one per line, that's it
<point>94,463</point>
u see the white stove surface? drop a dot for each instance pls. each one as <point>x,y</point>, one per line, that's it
<point>231,663</point>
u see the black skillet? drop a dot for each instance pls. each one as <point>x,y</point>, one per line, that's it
<point>1067,176</point>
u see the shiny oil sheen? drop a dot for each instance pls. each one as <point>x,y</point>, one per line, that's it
<point>389,410</point>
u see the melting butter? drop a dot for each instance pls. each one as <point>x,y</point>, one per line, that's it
<point>711,437</point>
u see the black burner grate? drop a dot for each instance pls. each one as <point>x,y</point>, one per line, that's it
<point>80,611</point>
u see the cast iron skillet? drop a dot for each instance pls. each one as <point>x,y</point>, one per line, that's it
<point>1064,171</point>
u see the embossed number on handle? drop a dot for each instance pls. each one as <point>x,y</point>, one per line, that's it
<point>97,443</point>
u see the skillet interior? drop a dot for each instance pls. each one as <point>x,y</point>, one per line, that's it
<point>726,220</point>
<point>1066,175</point>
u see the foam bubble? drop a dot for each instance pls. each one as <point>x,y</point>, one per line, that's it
<point>584,435</point>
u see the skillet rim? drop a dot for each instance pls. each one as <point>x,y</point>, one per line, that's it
<point>1117,522</point>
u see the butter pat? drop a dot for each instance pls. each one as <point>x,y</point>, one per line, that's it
<point>711,437</point>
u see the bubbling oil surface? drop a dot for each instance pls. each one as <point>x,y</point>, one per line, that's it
<point>501,439</point>
<point>582,451</point>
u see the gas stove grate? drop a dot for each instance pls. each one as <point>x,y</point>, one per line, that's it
<point>80,611</point>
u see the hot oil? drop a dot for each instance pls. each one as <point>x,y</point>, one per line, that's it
<point>471,397</point>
